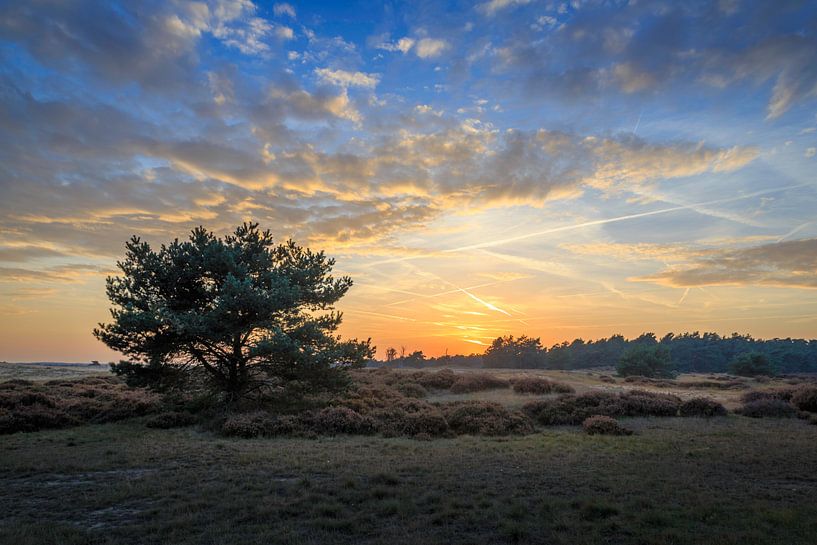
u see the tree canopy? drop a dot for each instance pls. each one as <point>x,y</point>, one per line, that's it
<point>522,351</point>
<point>251,314</point>
<point>647,361</point>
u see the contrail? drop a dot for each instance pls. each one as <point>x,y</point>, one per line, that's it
<point>637,123</point>
<point>617,219</point>
<point>485,303</point>
<point>793,231</point>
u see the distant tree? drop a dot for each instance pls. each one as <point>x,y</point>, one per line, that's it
<point>647,361</point>
<point>751,364</point>
<point>391,354</point>
<point>523,351</point>
<point>560,356</point>
<point>247,313</point>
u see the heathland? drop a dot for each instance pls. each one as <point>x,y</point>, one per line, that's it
<point>452,456</point>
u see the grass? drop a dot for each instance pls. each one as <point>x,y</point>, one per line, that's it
<point>728,480</point>
<point>725,480</point>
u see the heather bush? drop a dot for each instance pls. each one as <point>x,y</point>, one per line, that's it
<point>572,409</point>
<point>62,403</point>
<point>805,398</point>
<point>410,419</point>
<point>767,408</point>
<point>412,389</point>
<point>439,380</point>
<point>247,425</point>
<point>604,425</point>
<point>540,386</point>
<point>477,382</point>
<point>780,394</point>
<point>702,406</point>
<point>608,379</point>
<point>333,420</point>
<point>485,418</point>
<point>35,417</point>
<point>170,419</point>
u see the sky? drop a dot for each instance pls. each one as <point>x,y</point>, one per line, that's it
<point>555,169</point>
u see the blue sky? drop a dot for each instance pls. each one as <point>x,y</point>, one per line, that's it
<point>560,169</point>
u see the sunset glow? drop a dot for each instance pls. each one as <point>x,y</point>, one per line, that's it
<point>555,169</point>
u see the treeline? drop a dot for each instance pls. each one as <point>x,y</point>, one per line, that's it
<point>690,353</point>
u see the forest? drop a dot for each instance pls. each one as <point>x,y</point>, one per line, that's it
<point>690,353</point>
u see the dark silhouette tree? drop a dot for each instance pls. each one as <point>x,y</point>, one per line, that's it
<point>249,314</point>
<point>391,354</point>
<point>522,351</point>
<point>647,360</point>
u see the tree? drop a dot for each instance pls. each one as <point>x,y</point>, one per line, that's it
<point>751,364</point>
<point>391,354</point>
<point>249,314</point>
<point>647,361</point>
<point>508,351</point>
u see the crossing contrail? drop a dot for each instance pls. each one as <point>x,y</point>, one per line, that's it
<point>582,225</point>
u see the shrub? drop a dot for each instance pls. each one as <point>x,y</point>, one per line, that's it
<point>702,406</point>
<point>412,389</point>
<point>604,425</point>
<point>63,403</point>
<point>773,408</point>
<point>647,361</point>
<point>572,409</point>
<point>485,418</point>
<point>334,420</point>
<point>608,379</point>
<point>780,394</point>
<point>439,380</point>
<point>170,419</point>
<point>247,425</point>
<point>477,382</point>
<point>538,385</point>
<point>805,398</point>
<point>35,418</point>
<point>410,419</point>
<point>751,364</point>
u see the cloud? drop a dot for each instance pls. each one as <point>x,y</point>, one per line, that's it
<point>429,48</point>
<point>343,78</point>
<point>403,45</point>
<point>492,7</point>
<point>283,9</point>
<point>810,152</point>
<point>791,264</point>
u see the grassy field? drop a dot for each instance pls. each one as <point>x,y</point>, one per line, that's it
<point>727,480</point>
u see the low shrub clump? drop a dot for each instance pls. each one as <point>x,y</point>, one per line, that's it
<point>485,418</point>
<point>412,389</point>
<point>540,386</point>
<point>170,419</point>
<point>477,382</point>
<point>30,406</point>
<point>604,425</point>
<point>261,424</point>
<point>780,394</point>
<point>333,420</point>
<point>438,380</point>
<point>805,398</point>
<point>572,409</point>
<point>767,408</point>
<point>702,406</point>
